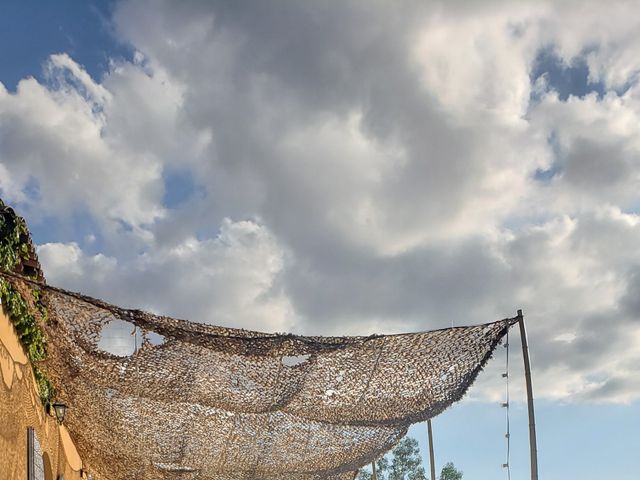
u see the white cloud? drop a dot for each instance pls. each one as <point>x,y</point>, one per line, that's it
<point>53,138</point>
<point>400,167</point>
<point>69,265</point>
<point>597,154</point>
<point>479,62</point>
<point>231,279</point>
<point>102,147</point>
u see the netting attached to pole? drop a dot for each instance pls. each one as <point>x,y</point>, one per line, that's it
<point>209,402</point>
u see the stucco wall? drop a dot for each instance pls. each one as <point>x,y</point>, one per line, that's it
<point>20,407</point>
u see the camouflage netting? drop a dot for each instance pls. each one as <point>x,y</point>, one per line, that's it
<point>226,404</point>
<point>206,402</point>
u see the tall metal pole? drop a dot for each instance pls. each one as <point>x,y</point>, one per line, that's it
<point>373,469</point>
<point>532,421</point>
<point>431,456</point>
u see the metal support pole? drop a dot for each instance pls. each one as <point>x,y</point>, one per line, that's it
<point>532,421</point>
<point>373,469</point>
<point>431,456</point>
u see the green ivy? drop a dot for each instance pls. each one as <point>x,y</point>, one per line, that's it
<point>37,300</point>
<point>45,387</point>
<point>12,232</point>
<point>14,248</point>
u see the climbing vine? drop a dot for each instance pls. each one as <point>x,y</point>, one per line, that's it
<point>13,231</point>
<point>13,249</point>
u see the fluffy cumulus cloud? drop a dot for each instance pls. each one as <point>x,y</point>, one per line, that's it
<point>349,167</point>
<point>54,147</point>
<point>230,280</point>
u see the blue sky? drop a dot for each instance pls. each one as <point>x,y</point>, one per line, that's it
<point>81,29</point>
<point>574,441</point>
<point>339,169</point>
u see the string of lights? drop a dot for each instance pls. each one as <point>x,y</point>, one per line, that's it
<point>506,405</point>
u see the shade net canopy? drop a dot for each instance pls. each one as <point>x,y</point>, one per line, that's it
<point>196,401</point>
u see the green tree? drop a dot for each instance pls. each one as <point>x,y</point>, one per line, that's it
<point>450,472</point>
<point>403,463</point>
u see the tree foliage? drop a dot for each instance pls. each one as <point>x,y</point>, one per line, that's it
<point>450,472</point>
<point>403,463</point>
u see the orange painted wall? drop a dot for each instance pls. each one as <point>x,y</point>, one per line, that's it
<point>20,407</point>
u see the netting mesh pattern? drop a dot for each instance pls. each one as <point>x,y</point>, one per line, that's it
<point>210,402</point>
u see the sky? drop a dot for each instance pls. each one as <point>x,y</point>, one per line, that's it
<point>351,167</point>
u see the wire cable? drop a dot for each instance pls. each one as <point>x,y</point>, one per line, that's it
<point>506,405</point>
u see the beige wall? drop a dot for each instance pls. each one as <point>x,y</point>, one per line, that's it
<point>20,407</point>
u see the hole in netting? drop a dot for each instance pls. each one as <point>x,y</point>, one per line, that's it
<point>120,338</point>
<point>444,376</point>
<point>329,394</point>
<point>294,360</point>
<point>172,467</point>
<point>155,338</point>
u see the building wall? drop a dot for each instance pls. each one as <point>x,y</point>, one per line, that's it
<point>20,408</point>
